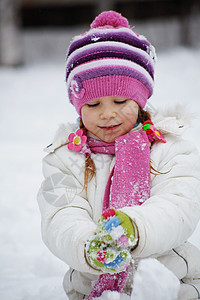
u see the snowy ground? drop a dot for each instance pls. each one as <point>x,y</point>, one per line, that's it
<point>33,104</point>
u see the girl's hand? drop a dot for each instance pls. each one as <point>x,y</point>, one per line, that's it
<point>109,249</point>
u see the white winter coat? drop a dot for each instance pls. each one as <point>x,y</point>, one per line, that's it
<point>164,222</point>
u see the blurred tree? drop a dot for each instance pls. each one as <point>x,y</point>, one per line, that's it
<point>187,10</point>
<point>104,5</point>
<point>10,37</point>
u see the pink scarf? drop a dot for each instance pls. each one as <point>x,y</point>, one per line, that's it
<point>128,185</point>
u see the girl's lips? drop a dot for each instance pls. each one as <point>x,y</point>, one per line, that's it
<point>110,128</point>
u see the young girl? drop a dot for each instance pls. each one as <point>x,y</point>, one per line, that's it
<point>119,185</point>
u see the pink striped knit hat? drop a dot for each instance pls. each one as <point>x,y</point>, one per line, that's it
<point>110,60</point>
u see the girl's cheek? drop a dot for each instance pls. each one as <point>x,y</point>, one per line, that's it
<point>130,112</point>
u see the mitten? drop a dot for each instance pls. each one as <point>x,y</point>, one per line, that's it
<point>109,249</point>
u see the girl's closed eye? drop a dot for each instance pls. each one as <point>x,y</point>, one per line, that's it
<point>120,102</point>
<point>93,104</point>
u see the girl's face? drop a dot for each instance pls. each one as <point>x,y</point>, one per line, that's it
<point>109,117</point>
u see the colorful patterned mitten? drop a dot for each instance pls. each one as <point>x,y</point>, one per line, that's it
<point>109,249</point>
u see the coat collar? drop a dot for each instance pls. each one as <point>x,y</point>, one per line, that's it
<point>173,121</point>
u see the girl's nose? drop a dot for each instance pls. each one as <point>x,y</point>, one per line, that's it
<point>108,114</point>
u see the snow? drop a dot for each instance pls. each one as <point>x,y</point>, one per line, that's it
<point>117,232</point>
<point>154,281</point>
<point>107,295</point>
<point>33,104</point>
<point>146,283</point>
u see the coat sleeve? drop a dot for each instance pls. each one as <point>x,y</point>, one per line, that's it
<point>65,213</point>
<point>170,215</point>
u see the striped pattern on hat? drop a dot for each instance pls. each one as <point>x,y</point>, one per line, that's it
<point>110,60</point>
